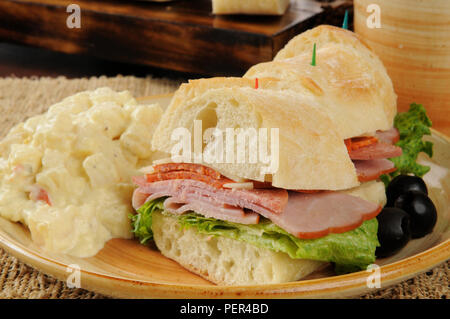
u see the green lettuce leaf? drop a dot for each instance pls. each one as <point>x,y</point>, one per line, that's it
<point>412,126</point>
<point>141,223</point>
<point>350,251</point>
<point>354,249</point>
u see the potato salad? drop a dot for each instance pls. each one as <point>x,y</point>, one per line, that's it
<point>66,174</point>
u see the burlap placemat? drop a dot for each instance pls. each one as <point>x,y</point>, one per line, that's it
<point>22,98</point>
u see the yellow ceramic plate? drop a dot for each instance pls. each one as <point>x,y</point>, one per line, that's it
<point>125,268</point>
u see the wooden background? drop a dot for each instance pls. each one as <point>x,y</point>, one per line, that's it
<point>179,41</point>
<point>182,35</point>
<point>414,45</point>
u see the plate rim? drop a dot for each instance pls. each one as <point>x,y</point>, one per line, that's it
<point>348,285</point>
<point>337,286</point>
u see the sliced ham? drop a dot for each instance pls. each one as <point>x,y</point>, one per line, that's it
<point>372,169</point>
<point>201,206</point>
<point>375,151</point>
<point>303,215</point>
<point>139,198</point>
<point>233,214</point>
<point>258,200</point>
<point>374,147</point>
<point>310,216</point>
<point>370,154</point>
<point>391,136</point>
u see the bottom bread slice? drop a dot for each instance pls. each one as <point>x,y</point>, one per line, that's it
<point>223,260</point>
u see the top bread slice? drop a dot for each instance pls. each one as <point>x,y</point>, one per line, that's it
<point>312,154</point>
<point>348,78</point>
<point>323,35</point>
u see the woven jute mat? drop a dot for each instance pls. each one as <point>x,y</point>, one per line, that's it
<point>22,98</point>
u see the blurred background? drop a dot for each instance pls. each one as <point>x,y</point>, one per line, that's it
<point>187,39</point>
<point>174,38</point>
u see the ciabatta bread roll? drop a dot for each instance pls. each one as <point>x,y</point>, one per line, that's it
<point>348,79</point>
<point>271,7</point>
<point>322,35</point>
<point>226,261</point>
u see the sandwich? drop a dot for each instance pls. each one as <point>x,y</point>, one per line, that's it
<point>313,201</point>
<point>207,217</point>
<point>350,83</point>
<point>269,7</point>
<point>348,80</point>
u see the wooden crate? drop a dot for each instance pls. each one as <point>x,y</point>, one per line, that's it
<point>181,35</point>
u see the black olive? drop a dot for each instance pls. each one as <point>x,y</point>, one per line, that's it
<point>393,231</point>
<point>421,210</point>
<point>401,184</point>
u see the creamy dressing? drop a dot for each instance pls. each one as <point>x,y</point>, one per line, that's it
<point>66,174</point>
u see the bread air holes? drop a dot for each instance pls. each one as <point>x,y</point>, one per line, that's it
<point>251,278</point>
<point>211,241</point>
<point>208,118</point>
<point>233,102</point>
<point>228,264</point>
<point>167,245</point>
